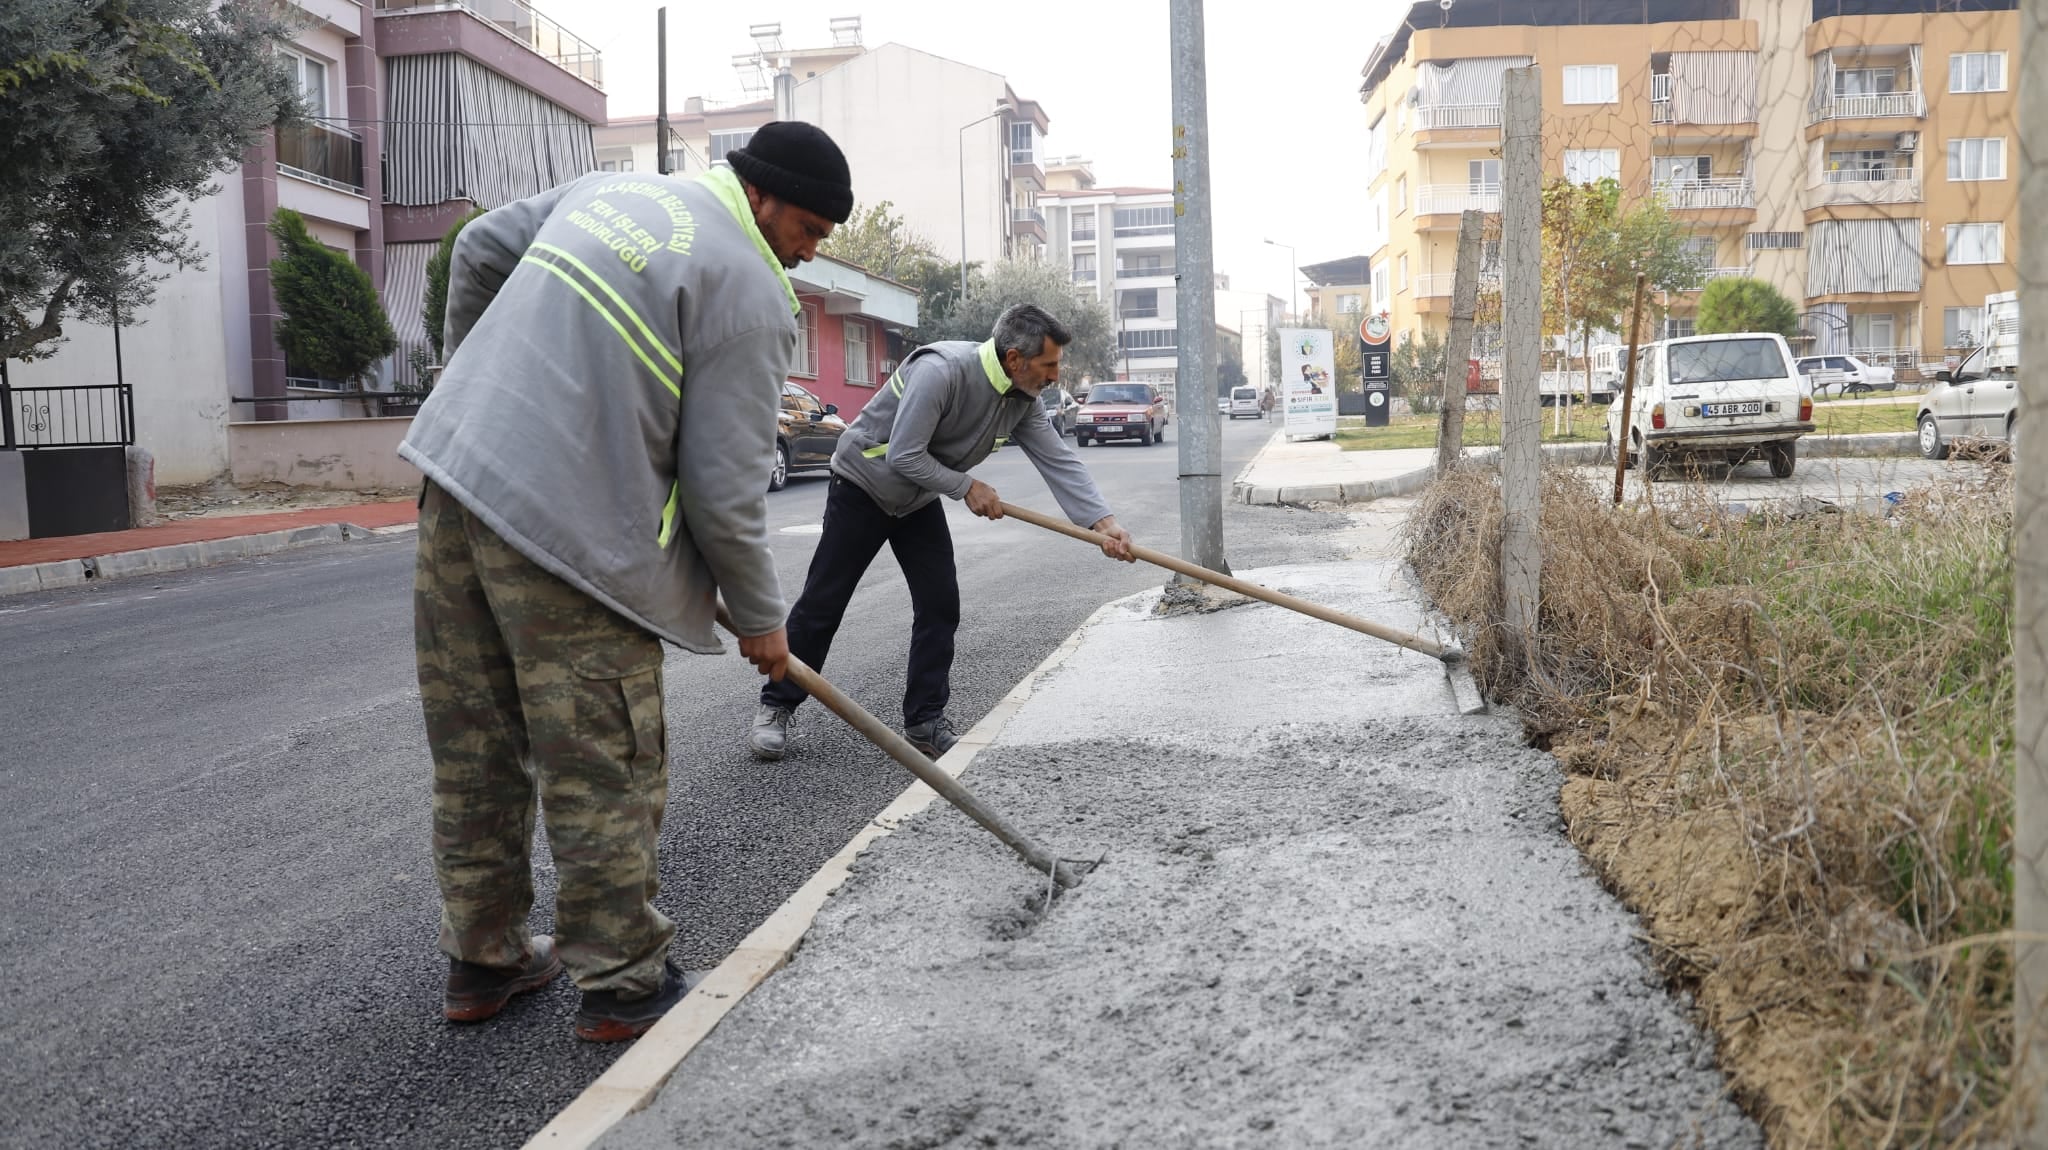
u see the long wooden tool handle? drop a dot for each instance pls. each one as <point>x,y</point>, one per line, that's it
<point>927,772</point>
<point>1219,579</point>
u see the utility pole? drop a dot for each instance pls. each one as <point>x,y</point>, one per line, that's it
<point>1201,432</point>
<point>661,90</point>
<point>1450,432</point>
<point>1628,390</point>
<point>2030,597</point>
<point>1521,419</point>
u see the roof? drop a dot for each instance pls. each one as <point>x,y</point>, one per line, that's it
<point>1349,270</point>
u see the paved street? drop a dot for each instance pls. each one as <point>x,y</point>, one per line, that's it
<point>220,915</point>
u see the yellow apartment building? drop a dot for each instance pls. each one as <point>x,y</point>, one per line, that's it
<point>1857,154</point>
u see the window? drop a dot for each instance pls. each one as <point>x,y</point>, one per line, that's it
<point>678,160</point>
<point>1720,361</point>
<point>1084,226</point>
<point>1677,326</point>
<point>1962,326</point>
<point>1859,164</point>
<point>1976,72</point>
<point>1400,116</point>
<point>800,400</point>
<point>1705,247</point>
<point>723,143</point>
<point>1590,165</point>
<point>1683,169</point>
<point>1865,81</point>
<point>1400,195</point>
<point>625,165</point>
<point>1376,149</point>
<point>1400,275</point>
<point>1143,265</point>
<point>1482,174</point>
<point>1776,241</point>
<point>1976,244</point>
<point>1142,303</point>
<point>1379,287</point>
<point>1023,146</point>
<point>1977,159</point>
<point>309,76</point>
<point>1145,343</point>
<point>1870,331</point>
<point>805,361</point>
<point>1589,84</point>
<point>859,366</point>
<point>1084,267</point>
<point>1351,303</point>
<point>1149,221</point>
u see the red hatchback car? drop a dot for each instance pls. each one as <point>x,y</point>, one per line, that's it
<point>1135,411</point>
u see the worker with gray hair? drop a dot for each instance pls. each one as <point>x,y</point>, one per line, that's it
<point>940,414</point>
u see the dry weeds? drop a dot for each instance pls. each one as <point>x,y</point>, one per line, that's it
<point>1789,748</point>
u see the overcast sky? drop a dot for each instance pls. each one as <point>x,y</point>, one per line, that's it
<point>1286,127</point>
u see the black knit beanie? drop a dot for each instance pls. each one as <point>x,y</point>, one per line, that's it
<point>798,163</point>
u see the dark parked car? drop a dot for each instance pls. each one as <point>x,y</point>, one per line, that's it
<point>806,433</point>
<point>1060,407</point>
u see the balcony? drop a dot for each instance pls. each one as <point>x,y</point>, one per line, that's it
<point>324,155</point>
<point>1450,199</point>
<point>1087,237</point>
<point>518,20</point>
<point>1433,284</point>
<point>1430,117</point>
<point>1147,271</point>
<point>1866,186</point>
<point>1873,106</point>
<point>1709,275</point>
<point>1660,98</point>
<point>1028,222</point>
<point>1717,194</point>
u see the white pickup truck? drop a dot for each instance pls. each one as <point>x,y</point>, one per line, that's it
<point>1733,396</point>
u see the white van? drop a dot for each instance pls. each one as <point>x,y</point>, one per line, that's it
<point>1734,396</point>
<point>1244,402</point>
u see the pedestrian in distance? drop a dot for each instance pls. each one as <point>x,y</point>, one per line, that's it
<point>597,453</point>
<point>939,416</point>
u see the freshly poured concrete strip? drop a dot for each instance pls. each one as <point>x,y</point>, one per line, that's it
<point>1332,912</point>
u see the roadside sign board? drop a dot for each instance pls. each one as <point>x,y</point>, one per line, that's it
<point>1308,382</point>
<point>1376,370</point>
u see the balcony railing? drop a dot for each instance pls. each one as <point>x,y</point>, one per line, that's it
<point>1430,116</point>
<point>321,154</point>
<point>1660,87</point>
<point>1872,106</point>
<point>1087,237</point>
<point>1084,276</point>
<point>1869,186</point>
<point>1027,216</point>
<point>1719,192</point>
<point>1708,275</point>
<point>1867,175</point>
<point>1023,158</point>
<point>1892,357</point>
<point>517,19</point>
<point>1448,199</point>
<point>1144,272</point>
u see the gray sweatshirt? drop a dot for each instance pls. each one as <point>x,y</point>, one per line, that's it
<point>617,348</point>
<point>940,415</point>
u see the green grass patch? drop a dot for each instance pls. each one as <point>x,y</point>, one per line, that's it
<point>1861,418</point>
<point>1589,425</point>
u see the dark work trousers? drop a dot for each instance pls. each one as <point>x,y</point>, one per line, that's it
<point>855,530</point>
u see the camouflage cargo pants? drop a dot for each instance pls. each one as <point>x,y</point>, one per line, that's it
<point>533,690</point>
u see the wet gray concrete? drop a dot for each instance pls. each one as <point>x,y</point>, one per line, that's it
<point>1332,913</point>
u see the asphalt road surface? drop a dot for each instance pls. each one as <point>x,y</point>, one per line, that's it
<point>218,924</point>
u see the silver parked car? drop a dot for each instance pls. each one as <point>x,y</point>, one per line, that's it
<point>1979,400</point>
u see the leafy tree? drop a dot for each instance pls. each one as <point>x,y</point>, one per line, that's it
<point>1418,368</point>
<point>880,241</point>
<point>114,116</point>
<point>1230,374</point>
<point>1738,303</point>
<point>1092,355</point>
<point>332,325</point>
<point>435,313</point>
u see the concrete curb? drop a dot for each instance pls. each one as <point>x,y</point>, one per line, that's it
<point>632,1082</point>
<point>1569,454</point>
<point>175,557</point>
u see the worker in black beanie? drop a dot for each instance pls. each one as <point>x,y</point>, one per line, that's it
<point>798,165</point>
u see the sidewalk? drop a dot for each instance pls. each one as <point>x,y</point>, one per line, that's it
<point>1331,912</point>
<point>39,564</point>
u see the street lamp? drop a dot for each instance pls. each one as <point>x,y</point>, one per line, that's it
<point>1292,275</point>
<point>1002,107</point>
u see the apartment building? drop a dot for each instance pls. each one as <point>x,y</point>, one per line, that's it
<point>1854,153</point>
<point>419,111</point>
<point>1117,243</point>
<point>850,329</point>
<point>1339,288</point>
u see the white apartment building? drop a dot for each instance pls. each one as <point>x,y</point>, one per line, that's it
<point>1118,243</point>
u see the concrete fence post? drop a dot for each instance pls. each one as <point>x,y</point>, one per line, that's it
<point>1450,434</point>
<point>2030,594</point>
<point>1521,423</point>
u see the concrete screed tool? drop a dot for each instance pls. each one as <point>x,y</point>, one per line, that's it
<point>875,731</point>
<point>1453,657</point>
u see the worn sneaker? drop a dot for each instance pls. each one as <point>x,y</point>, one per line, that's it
<point>771,732</point>
<point>934,738</point>
<point>605,1017</point>
<point>478,992</point>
